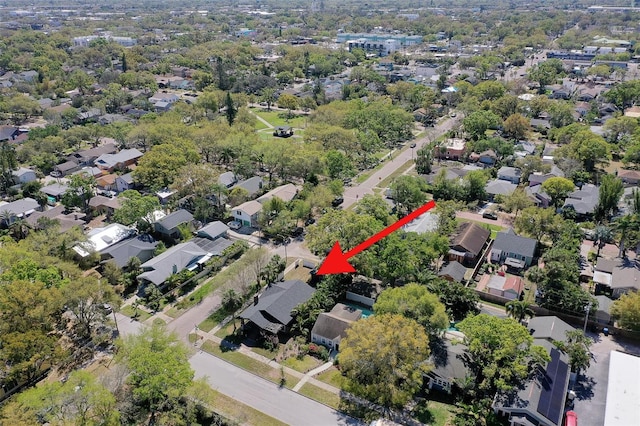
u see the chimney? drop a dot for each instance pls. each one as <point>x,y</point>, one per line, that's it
<point>255,300</point>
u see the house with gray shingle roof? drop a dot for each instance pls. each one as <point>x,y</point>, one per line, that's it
<point>120,160</point>
<point>10,212</point>
<point>331,327</point>
<point>142,247</point>
<point>125,182</point>
<point>513,250</point>
<point>584,200</point>
<point>252,185</point>
<point>213,230</point>
<point>453,271</point>
<point>510,174</point>
<point>499,187</point>
<point>271,311</point>
<point>174,260</point>
<point>169,224</point>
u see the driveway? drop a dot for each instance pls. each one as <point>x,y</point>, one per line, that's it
<point>591,387</point>
<point>280,403</point>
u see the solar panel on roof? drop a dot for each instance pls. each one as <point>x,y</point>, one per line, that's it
<point>553,387</point>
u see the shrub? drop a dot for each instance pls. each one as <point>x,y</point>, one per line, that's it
<point>319,351</point>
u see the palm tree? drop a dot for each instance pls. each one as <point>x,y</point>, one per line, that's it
<point>518,310</point>
<point>602,235</point>
<point>623,226</point>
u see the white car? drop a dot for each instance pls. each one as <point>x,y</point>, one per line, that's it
<point>235,224</point>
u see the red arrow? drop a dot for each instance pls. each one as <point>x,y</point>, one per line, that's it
<point>337,262</point>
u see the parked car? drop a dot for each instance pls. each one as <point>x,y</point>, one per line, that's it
<point>297,232</point>
<point>337,201</point>
<point>570,418</point>
<point>309,221</point>
<point>413,145</point>
<point>490,215</point>
<point>235,224</point>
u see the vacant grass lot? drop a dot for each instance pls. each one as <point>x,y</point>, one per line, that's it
<point>318,394</point>
<point>331,377</point>
<point>307,363</point>
<point>130,312</point>
<point>251,365</point>
<point>279,118</point>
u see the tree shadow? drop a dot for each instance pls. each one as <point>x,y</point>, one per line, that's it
<point>584,388</point>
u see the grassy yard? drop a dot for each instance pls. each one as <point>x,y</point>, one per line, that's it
<point>209,286</point>
<point>331,377</point>
<point>435,413</point>
<point>300,273</point>
<point>251,365</point>
<point>224,331</point>
<point>321,395</point>
<point>389,179</point>
<point>493,228</point>
<point>279,118</point>
<point>307,363</point>
<point>235,410</point>
<point>130,312</point>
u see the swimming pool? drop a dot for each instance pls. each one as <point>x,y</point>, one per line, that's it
<point>366,312</point>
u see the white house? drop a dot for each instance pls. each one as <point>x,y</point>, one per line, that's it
<point>24,175</point>
<point>330,327</point>
<point>247,213</point>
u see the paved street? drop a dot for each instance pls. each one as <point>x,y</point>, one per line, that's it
<point>591,387</point>
<point>267,397</point>
<point>353,193</point>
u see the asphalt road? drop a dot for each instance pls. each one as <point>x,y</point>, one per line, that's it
<point>269,398</point>
<point>353,193</point>
<point>591,386</point>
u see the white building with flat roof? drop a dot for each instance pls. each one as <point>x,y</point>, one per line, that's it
<point>623,391</point>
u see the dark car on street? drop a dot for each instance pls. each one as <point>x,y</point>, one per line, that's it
<point>490,215</point>
<point>337,201</point>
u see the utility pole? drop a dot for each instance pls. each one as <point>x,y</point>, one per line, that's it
<point>586,318</point>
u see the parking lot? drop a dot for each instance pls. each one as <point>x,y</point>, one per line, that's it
<point>591,386</point>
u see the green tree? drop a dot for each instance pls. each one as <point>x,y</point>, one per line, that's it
<point>85,299</point>
<point>288,102</point>
<point>384,359</point>
<point>626,311</point>
<point>537,222</point>
<point>557,188</point>
<point>577,347</point>
<point>81,400</point>
<point>477,123</point>
<point>516,126</point>
<point>375,206</point>
<point>8,164</point>
<point>518,310</point>
<point>609,193</point>
<point>81,189</point>
<point>414,301</point>
<point>231,110</point>
<point>424,160</point>
<point>588,148</point>
<point>339,165</point>
<point>409,193</point>
<point>159,167</point>
<point>135,207</point>
<point>474,184</point>
<point>268,96</point>
<point>459,300</point>
<point>159,367</point>
<point>501,353</point>
<point>517,201</point>
<point>546,72</point>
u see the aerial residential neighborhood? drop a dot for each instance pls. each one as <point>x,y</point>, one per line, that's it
<point>313,212</point>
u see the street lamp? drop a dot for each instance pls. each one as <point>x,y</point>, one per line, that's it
<point>586,318</point>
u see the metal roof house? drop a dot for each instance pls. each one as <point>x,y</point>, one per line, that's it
<point>174,260</point>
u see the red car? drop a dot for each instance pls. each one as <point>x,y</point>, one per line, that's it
<point>570,419</point>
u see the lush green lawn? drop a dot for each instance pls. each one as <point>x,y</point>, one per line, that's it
<point>224,331</point>
<point>331,377</point>
<point>493,228</point>
<point>389,179</point>
<point>279,118</point>
<point>130,312</point>
<point>252,365</point>
<point>435,413</point>
<point>235,410</point>
<point>318,394</point>
<point>299,273</point>
<point>307,363</point>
